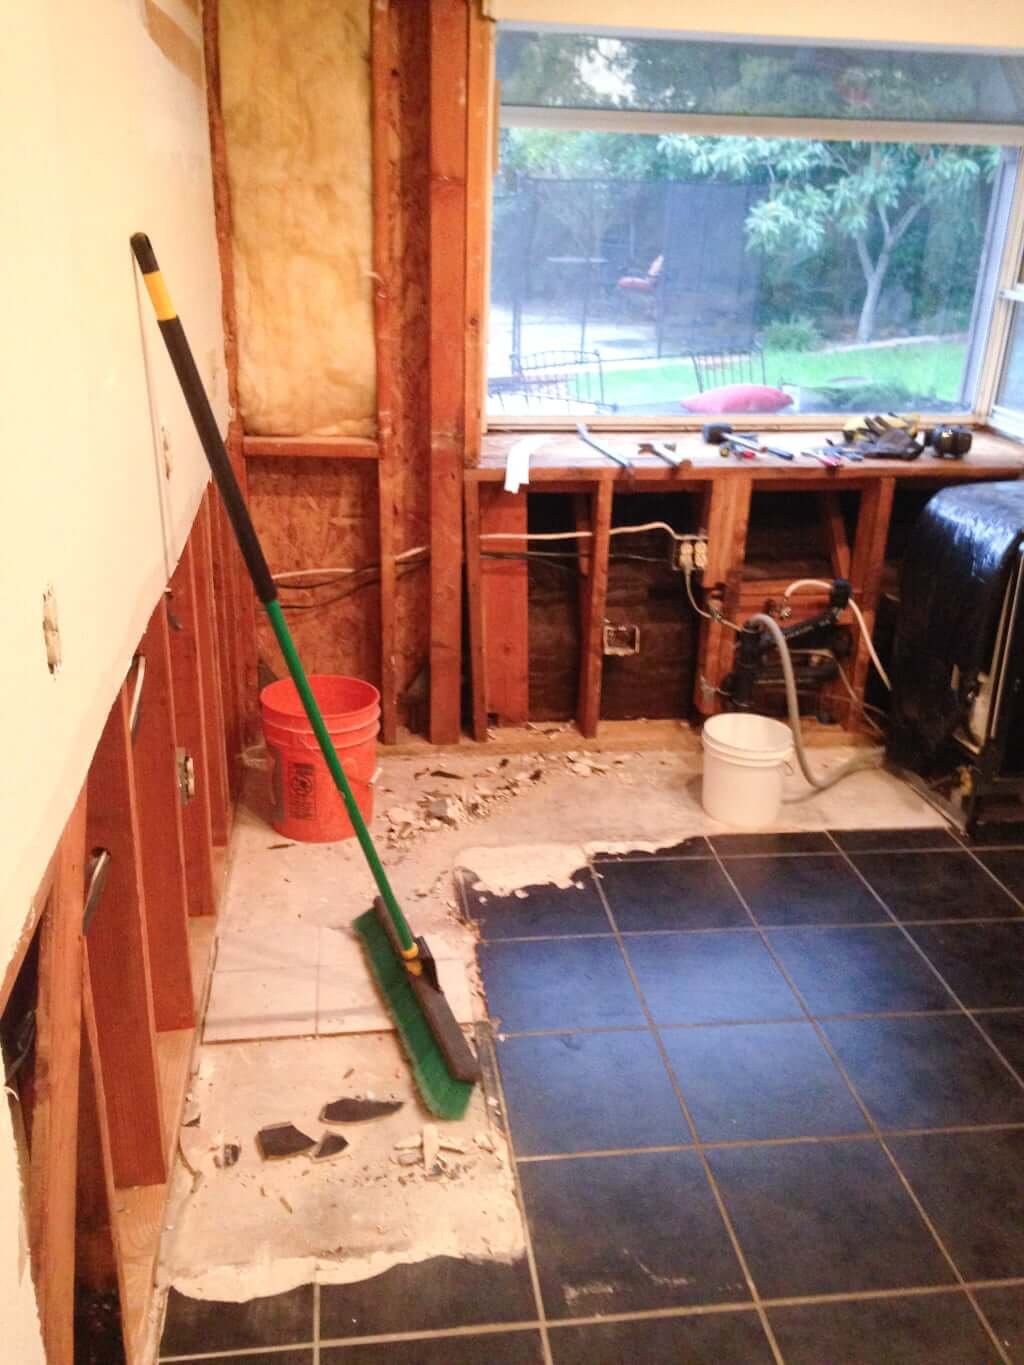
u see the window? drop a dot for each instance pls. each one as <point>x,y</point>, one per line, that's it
<point>692,228</point>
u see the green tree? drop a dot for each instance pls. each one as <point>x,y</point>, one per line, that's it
<point>819,192</point>
<point>868,192</point>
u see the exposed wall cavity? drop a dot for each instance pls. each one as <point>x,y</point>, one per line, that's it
<point>296,98</point>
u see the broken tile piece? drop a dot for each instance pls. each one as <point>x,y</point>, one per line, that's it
<point>408,1158</point>
<point>351,1110</point>
<point>280,1140</point>
<point>330,1145</point>
<point>431,1145</point>
<point>227,1156</point>
<point>449,1144</point>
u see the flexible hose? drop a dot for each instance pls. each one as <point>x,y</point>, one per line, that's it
<point>852,604</point>
<point>855,765</point>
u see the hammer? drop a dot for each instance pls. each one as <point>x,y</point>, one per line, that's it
<point>722,434</point>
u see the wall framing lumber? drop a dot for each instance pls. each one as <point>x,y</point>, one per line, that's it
<point>836,539</point>
<point>480,113</point>
<point>387,247</point>
<point>475,601</point>
<point>867,564</point>
<point>449,35</point>
<point>190,723</point>
<point>161,840</point>
<point>117,963</point>
<point>726,515</point>
<point>310,447</point>
<point>595,600</point>
<point>505,590</point>
<point>209,662</point>
<point>53,1170</point>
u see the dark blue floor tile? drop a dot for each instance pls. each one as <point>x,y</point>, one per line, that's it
<point>427,1296</point>
<point>804,841</point>
<point>825,1218</point>
<point>924,1329</point>
<point>821,890</point>
<point>712,978</point>
<point>735,1338</point>
<point>621,1233</point>
<point>755,1081</point>
<point>559,984</point>
<point>972,1187</point>
<point>983,963</point>
<point>195,1325</point>
<point>929,1072</point>
<point>685,894</point>
<point>542,911</point>
<point>935,886</point>
<point>579,1092</point>
<point>858,971</point>
<point>882,840</point>
<point>490,1348</point>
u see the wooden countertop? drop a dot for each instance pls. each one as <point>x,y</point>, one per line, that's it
<point>565,459</point>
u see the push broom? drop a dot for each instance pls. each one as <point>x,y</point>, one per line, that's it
<point>443,1063</point>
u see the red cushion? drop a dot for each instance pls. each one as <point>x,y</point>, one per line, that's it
<point>738,398</point>
<point>643,284</point>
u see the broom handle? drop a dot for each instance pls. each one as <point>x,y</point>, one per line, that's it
<point>255,561</point>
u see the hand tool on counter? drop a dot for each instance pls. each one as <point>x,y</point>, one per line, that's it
<point>828,458</point>
<point>442,1061</point>
<point>722,434</point>
<point>585,436</point>
<point>665,450</point>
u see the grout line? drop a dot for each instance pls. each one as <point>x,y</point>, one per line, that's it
<point>988,871</point>
<point>772,1022</point>
<point>888,923</point>
<point>440,1333</point>
<point>709,1176</point>
<point>245,1352</point>
<point>798,1139</point>
<point>531,1259</point>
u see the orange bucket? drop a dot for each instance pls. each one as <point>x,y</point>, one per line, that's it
<point>307,805</point>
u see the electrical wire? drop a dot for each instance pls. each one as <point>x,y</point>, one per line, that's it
<point>350,592</point>
<point>586,535</point>
<point>714,614</point>
<point>344,572</point>
<point>869,643</point>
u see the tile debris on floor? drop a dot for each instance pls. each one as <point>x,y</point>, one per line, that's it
<point>759,1093</point>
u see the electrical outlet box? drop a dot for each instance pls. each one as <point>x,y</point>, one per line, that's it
<point>690,554</point>
<point>621,639</point>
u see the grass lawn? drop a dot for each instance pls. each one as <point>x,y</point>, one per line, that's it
<point>931,368</point>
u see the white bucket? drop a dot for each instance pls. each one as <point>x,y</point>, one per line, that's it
<point>744,756</point>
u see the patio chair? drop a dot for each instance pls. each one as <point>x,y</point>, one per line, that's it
<point>561,376</point>
<point>740,364</point>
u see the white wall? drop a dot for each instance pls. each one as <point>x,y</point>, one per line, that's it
<point>102,135</point>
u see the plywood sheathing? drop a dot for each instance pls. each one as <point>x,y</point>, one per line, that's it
<point>296,106</point>
<point>315,514</point>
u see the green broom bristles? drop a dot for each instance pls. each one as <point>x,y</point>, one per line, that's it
<point>443,1095</point>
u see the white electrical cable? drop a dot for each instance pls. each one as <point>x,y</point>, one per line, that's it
<point>586,535</point>
<point>820,583</point>
<point>343,572</point>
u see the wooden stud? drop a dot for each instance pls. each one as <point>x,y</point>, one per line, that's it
<point>475,613</point>
<point>117,954</point>
<point>449,29</point>
<point>592,650</point>
<point>726,516</point>
<point>161,840</point>
<point>866,568</point>
<point>53,1176</point>
<point>221,194</point>
<point>834,526</point>
<point>310,447</point>
<point>479,168</point>
<point>505,593</point>
<point>387,248</point>
<point>225,594</point>
<point>189,717</point>
<point>209,662</point>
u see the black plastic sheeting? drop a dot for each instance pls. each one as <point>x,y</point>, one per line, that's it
<point>952,585</point>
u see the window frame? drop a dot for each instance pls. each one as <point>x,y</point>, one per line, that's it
<point>994,329</point>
